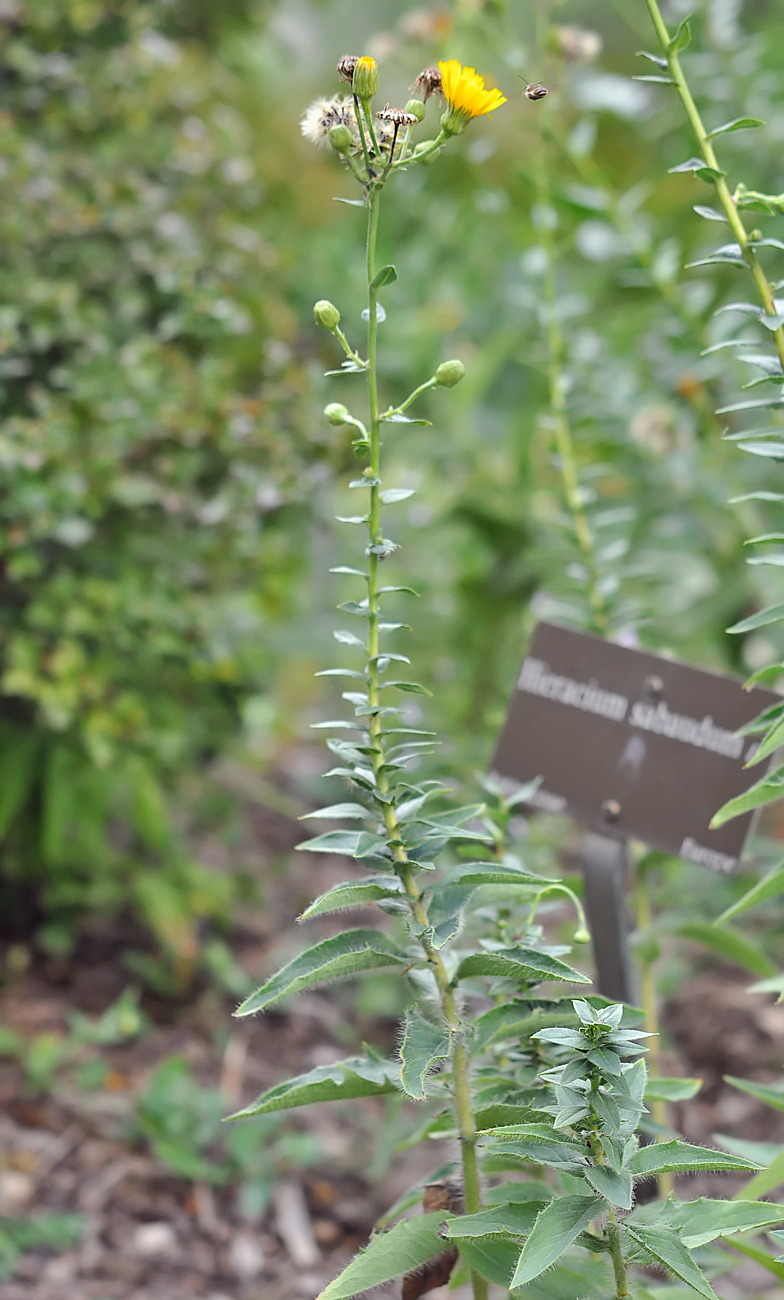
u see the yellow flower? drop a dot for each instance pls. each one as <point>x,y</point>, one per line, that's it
<point>465,95</point>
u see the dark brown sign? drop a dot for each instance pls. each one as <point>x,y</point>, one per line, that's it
<point>631,744</point>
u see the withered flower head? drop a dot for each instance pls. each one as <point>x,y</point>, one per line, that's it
<point>324,114</point>
<point>397,116</point>
<point>428,83</point>
<point>346,67</point>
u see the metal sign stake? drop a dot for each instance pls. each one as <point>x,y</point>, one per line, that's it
<point>605,866</point>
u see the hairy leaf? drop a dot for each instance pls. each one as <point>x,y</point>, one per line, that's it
<point>353,893</point>
<point>616,1187</point>
<point>335,958</point>
<point>424,1046</point>
<point>526,965</point>
<point>390,1254</point>
<point>666,1248</point>
<point>701,1221</point>
<point>682,1157</point>
<point>556,1227</point>
<point>357,1076</point>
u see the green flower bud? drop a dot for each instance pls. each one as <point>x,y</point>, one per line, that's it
<point>581,936</point>
<point>364,82</point>
<point>340,137</point>
<point>326,314</point>
<point>450,373</point>
<point>337,413</point>
<point>416,107</point>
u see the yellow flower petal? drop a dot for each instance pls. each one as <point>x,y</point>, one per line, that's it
<point>464,90</point>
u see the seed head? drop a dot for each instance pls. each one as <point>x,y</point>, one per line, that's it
<point>397,116</point>
<point>428,83</point>
<point>324,114</point>
<point>346,67</point>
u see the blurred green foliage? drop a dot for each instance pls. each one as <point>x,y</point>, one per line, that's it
<point>169,484</point>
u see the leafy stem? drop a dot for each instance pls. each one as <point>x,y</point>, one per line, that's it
<point>670,47</point>
<point>460,1062</point>
<point>398,410</point>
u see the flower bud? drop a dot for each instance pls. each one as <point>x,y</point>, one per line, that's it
<point>364,83</point>
<point>581,936</point>
<point>336,413</point>
<point>416,107</point>
<point>326,314</point>
<point>450,373</point>
<point>340,137</point>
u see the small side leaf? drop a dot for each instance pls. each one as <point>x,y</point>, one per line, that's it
<point>353,893</point>
<point>387,275</point>
<point>769,887</point>
<point>424,1046</point>
<point>737,124</point>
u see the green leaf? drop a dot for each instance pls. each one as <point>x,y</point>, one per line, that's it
<point>762,1091</point>
<point>617,1188</point>
<point>353,893</point>
<point>424,1046</point>
<point>556,1227</point>
<point>335,958</point>
<point>671,1089</point>
<point>737,124</point>
<point>666,1248</point>
<point>681,1157</point>
<point>410,688</point>
<point>390,1254</point>
<point>494,1259</point>
<point>769,887</point>
<point>391,495</point>
<point>681,39</point>
<point>526,965</point>
<point>770,787</point>
<point>513,1218</point>
<point>348,638</point>
<point>387,275</point>
<point>342,842</point>
<point>487,873</point>
<point>771,614</point>
<point>352,203</point>
<point>397,417</point>
<point>357,1076</point>
<point>730,944</point>
<point>336,812</point>
<point>703,1220</point>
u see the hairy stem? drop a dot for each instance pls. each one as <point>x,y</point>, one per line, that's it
<point>616,1255</point>
<point>644,919</point>
<point>734,219</point>
<point>460,1063</point>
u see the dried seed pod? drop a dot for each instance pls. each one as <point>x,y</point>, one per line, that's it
<point>428,83</point>
<point>398,116</point>
<point>346,67</point>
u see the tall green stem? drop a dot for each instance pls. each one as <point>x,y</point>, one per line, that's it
<point>734,219</point>
<point>460,1064</point>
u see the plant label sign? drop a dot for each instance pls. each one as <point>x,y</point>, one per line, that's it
<point>630,744</point>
